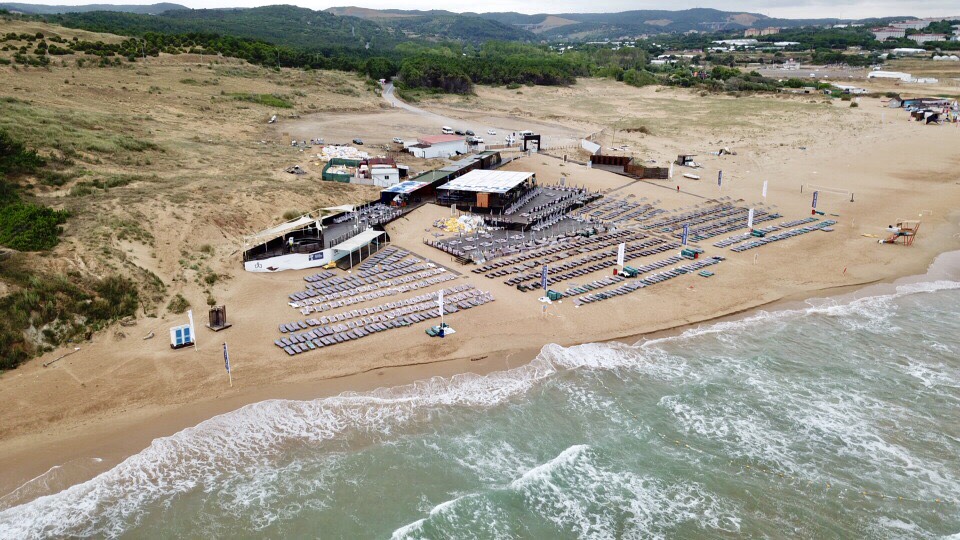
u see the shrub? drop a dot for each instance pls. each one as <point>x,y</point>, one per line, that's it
<point>270,100</point>
<point>15,158</point>
<point>30,227</point>
<point>178,304</point>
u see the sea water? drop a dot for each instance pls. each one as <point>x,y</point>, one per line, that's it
<point>836,420</point>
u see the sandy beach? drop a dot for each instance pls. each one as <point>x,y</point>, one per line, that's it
<point>118,392</point>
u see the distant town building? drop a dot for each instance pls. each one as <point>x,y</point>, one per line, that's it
<point>925,38</point>
<point>791,65</point>
<point>439,146</point>
<point>753,32</point>
<point>918,24</point>
<point>738,42</point>
<point>883,34</point>
<point>904,51</point>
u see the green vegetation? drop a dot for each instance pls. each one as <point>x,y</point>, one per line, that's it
<point>270,100</point>
<point>24,226</point>
<point>494,63</point>
<point>178,304</point>
<point>30,227</point>
<point>55,309</point>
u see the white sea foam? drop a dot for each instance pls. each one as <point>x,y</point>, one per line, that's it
<point>238,444</point>
<point>579,495</point>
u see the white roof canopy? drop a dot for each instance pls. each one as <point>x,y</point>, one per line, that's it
<point>483,181</point>
<point>357,241</point>
<point>341,208</point>
<point>273,232</point>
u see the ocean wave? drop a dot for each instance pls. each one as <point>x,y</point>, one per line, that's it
<point>582,496</point>
<point>241,443</point>
<point>874,309</point>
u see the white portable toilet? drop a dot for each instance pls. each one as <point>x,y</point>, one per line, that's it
<point>181,336</point>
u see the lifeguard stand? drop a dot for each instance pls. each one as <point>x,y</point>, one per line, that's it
<point>905,231</point>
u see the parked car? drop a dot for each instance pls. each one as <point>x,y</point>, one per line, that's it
<point>459,132</point>
<point>478,140</point>
<point>491,132</point>
<point>358,140</point>
<point>470,132</point>
<point>398,140</point>
<point>447,130</point>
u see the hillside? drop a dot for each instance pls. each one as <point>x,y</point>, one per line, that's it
<point>282,25</point>
<point>40,9</point>
<point>155,161</point>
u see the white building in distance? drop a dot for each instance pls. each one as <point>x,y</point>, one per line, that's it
<point>436,146</point>
<point>883,34</point>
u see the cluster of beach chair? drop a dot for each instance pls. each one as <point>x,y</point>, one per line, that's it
<point>387,288</point>
<point>330,330</point>
<point>580,289</point>
<point>558,205</point>
<point>731,240</point>
<point>734,221</point>
<point>351,283</point>
<point>783,235</point>
<point>387,256</point>
<point>373,214</point>
<point>634,284</point>
<point>535,256</point>
<point>619,210</point>
<point>651,246</point>
<point>524,199</point>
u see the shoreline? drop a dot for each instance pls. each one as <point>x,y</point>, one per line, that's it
<point>112,440</point>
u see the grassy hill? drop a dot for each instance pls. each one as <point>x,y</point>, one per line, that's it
<point>40,9</point>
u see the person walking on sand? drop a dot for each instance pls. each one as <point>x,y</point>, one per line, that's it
<point>678,189</point>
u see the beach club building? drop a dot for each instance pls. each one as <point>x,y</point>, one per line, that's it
<point>486,190</point>
<point>439,146</point>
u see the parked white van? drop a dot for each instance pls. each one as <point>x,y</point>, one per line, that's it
<point>447,130</point>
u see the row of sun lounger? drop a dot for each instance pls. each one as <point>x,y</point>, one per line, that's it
<point>635,284</point>
<point>782,236</point>
<point>596,252</point>
<point>727,242</point>
<point>387,255</point>
<point>725,226</point>
<point>796,222</point>
<point>640,269</point>
<point>595,284</point>
<point>565,245</point>
<point>352,282</point>
<point>376,311</point>
<point>382,293</point>
<point>325,274</point>
<point>318,298</point>
<point>687,217</point>
<point>324,336</point>
<point>631,252</point>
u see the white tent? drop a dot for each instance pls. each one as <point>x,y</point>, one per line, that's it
<point>273,232</point>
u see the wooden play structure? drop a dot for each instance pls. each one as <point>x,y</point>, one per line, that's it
<point>905,231</point>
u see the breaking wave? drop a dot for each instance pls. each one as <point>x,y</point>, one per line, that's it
<point>251,440</point>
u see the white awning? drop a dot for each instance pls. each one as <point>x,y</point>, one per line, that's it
<point>273,232</point>
<point>357,241</point>
<point>341,208</point>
